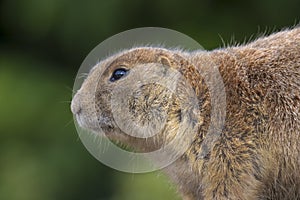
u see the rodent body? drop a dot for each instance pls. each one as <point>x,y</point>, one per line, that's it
<point>256,155</point>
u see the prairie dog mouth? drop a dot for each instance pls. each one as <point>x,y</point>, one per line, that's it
<point>95,124</point>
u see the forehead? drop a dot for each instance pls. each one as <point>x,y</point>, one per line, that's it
<point>127,59</point>
<point>143,55</point>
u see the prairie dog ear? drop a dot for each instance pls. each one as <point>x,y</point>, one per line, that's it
<point>164,60</point>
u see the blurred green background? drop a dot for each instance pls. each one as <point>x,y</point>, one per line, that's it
<point>42,44</point>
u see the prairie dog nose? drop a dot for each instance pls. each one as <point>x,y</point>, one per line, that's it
<point>75,104</point>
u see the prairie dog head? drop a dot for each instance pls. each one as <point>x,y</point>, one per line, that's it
<point>142,97</point>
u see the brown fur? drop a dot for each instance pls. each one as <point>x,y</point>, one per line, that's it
<point>257,153</point>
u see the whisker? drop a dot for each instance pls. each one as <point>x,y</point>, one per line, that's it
<point>68,123</point>
<point>83,75</point>
<point>69,88</point>
<point>66,101</point>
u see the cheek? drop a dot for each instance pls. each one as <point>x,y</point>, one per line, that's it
<point>149,104</point>
<point>103,102</point>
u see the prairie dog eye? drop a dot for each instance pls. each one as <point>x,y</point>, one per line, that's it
<point>118,73</point>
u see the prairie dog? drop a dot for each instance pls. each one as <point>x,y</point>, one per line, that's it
<point>256,153</point>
